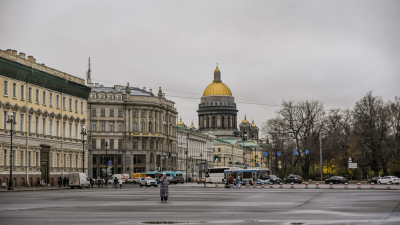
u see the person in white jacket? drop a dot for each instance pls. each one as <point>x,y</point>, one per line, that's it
<point>120,183</point>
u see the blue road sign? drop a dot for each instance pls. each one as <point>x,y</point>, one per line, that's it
<point>307,152</point>
<point>109,162</point>
<point>265,153</point>
<point>295,152</point>
<point>258,165</point>
<point>247,165</point>
<point>278,153</point>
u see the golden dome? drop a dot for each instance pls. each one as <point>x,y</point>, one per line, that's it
<point>180,122</point>
<point>192,126</point>
<point>217,88</point>
<point>253,124</point>
<point>245,120</point>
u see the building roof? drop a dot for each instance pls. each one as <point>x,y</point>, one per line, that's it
<point>122,89</point>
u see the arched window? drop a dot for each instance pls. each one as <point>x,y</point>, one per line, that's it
<point>134,128</point>
<point>149,127</point>
<point>142,126</point>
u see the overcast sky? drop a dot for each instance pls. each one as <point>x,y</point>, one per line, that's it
<point>267,51</point>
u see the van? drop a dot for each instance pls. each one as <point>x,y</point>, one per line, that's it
<point>123,177</point>
<point>78,180</point>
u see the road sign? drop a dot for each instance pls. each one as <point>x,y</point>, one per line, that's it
<point>279,162</point>
<point>265,153</point>
<point>350,160</point>
<point>198,162</point>
<point>109,162</point>
<point>295,152</point>
<point>352,165</point>
<point>279,166</point>
<point>278,153</point>
<point>258,165</point>
<point>307,152</point>
<point>188,170</point>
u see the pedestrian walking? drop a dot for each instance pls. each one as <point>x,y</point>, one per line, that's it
<point>238,182</point>
<point>91,182</point>
<point>230,182</point>
<point>115,182</point>
<point>59,181</point>
<point>65,181</point>
<point>120,183</point>
<point>102,182</point>
<point>98,182</point>
<point>164,182</point>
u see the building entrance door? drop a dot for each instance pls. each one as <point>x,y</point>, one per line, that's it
<point>44,172</point>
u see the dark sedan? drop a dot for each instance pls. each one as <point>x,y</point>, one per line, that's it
<point>293,178</point>
<point>177,179</point>
<point>273,179</point>
<point>336,180</point>
<point>374,180</point>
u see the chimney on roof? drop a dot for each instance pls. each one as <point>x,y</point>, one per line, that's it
<point>21,55</point>
<point>9,51</point>
<point>96,84</point>
<point>31,59</point>
<point>151,90</point>
<point>14,52</point>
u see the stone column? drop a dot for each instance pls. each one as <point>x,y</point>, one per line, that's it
<point>219,121</point>
<point>210,122</point>
<point>226,121</point>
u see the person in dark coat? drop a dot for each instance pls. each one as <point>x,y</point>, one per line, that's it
<point>59,181</point>
<point>231,182</point>
<point>115,182</point>
<point>164,182</point>
<point>65,181</point>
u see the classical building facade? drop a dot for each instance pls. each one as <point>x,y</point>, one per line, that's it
<point>192,147</point>
<point>132,128</point>
<point>49,107</point>
<point>217,109</point>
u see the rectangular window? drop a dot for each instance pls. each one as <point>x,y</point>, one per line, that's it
<point>65,160</point>
<point>5,118</point>
<point>81,107</point>
<point>93,126</point>
<point>93,112</point>
<point>6,87</point>
<point>76,161</point>
<point>51,99</point>
<point>70,130</point>
<point>29,158</point>
<point>150,114</point>
<point>102,112</point>
<point>37,159</point>
<point>58,101</point>
<point>135,144</point>
<point>44,126</point>
<point>64,129</point>
<point>37,125</point>
<point>133,113</point>
<point>14,157</point>
<point>94,144</point>
<point>119,144</point>
<point>70,104</point>
<point>103,126</point>
<point>76,131</point>
<point>44,97</point>
<point>64,104</point>
<point>37,95</point>
<point>57,128</point>
<point>151,144</point>
<point>14,90</point>
<point>119,112</point>
<point>119,126</point>
<point>21,158</point>
<point>134,126</point>
<point>111,112</point>
<point>143,145</point>
<point>58,160</point>
<point>22,123</point>
<point>142,113</point>
<point>70,160</point>
<point>103,143</point>
<point>51,160</point>
<point>30,94</point>
<point>5,158</point>
<point>94,161</point>
<point>219,149</point>
<point>51,127</point>
<point>111,143</point>
<point>22,92</point>
<point>76,106</point>
<point>29,123</point>
<point>111,127</point>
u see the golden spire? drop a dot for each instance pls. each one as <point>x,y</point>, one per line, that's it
<point>192,125</point>
<point>180,122</point>
<point>253,124</point>
<point>245,120</point>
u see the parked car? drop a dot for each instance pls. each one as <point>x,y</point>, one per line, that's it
<point>389,179</point>
<point>78,180</point>
<point>336,180</point>
<point>373,180</point>
<point>177,179</point>
<point>293,178</point>
<point>147,181</point>
<point>273,179</point>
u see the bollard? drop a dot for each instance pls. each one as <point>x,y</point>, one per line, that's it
<point>262,185</point>
<point>346,186</point>
<point>280,185</point>
<point>247,185</point>
<point>388,186</point>
<point>216,184</point>
<point>306,185</point>
<point>255,185</point>
<point>317,186</point>
<point>330,185</point>
<point>292,185</point>
<point>372,186</point>
<point>358,185</point>
<point>271,185</point>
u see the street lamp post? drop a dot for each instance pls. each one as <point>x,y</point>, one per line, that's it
<point>186,153</point>
<point>106,145</point>
<point>83,132</point>
<point>244,162</point>
<point>11,121</point>
<point>201,156</point>
<point>320,154</point>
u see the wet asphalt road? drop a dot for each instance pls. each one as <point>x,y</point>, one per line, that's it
<point>196,205</point>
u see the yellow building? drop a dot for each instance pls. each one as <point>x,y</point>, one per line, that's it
<point>49,107</point>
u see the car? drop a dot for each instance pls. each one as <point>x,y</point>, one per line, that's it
<point>177,179</point>
<point>78,180</point>
<point>293,178</point>
<point>135,180</point>
<point>273,179</point>
<point>373,180</point>
<point>336,180</point>
<point>148,181</point>
<point>389,180</point>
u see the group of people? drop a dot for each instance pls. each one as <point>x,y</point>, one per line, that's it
<point>62,182</point>
<point>232,182</point>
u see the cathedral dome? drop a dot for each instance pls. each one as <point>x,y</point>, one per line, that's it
<point>217,88</point>
<point>253,124</point>
<point>180,122</point>
<point>245,120</point>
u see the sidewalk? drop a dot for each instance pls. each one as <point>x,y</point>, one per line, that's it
<point>44,188</point>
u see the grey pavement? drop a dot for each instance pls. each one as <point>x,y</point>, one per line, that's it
<point>193,204</point>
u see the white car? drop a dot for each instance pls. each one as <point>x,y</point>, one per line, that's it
<point>148,182</point>
<point>135,180</point>
<point>389,179</point>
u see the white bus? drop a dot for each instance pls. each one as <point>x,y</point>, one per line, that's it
<point>217,174</point>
